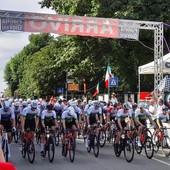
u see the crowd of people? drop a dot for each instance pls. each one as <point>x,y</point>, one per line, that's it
<point>78,115</point>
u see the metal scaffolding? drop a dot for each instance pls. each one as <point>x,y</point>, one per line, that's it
<point>157,27</point>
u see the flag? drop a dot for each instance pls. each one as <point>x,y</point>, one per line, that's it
<point>96,91</point>
<point>108,75</point>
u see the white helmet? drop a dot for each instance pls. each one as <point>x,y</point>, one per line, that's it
<point>20,100</point>
<point>71,111</point>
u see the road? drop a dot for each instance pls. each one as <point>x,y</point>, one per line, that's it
<point>87,161</point>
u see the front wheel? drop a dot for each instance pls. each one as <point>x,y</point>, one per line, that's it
<point>72,150</point>
<point>51,150</point>
<point>129,150</point>
<point>149,147</point>
<point>102,138</point>
<point>165,145</point>
<point>96,146</point>
<point>31,151</point>
<point>5,149</point>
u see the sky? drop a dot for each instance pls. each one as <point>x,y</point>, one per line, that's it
<point>12,42</point>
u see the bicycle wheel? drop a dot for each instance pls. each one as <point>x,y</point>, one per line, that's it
<point>72,150</point>
<point>102,138</point>
<point>96,146</point>
<point>117,148</point>
<point>138,148</point>
<point>51,150</point>
<point>156,146</point>
<point>64,150</point>
<point>89,144</point>
<point>149,147</point>
<point>165,145</point>
<point>38,137</point>
<point>5,149</point>
<point>57,137</point>
<point>23,151</point>
<point>129,150</point>
<point>16,136</point>
<point>31,151</point>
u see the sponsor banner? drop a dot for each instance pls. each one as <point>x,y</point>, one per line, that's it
<point>72,25</point>
<point>69,25</point>
<point>9,21</point>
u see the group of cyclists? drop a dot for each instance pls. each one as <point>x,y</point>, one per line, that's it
<point>79,116</point>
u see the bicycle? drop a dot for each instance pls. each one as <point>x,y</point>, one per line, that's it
<point>28,146</point>
<point>125,144</point>
<point>57,134</point>
<point>146,142</point>
<point>5,144</point>
<point>70,145</point>
<point>49,145</point>
<point>93,141</point>
<point>163,141</point>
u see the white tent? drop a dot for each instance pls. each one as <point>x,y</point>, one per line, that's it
<point>149,67</point>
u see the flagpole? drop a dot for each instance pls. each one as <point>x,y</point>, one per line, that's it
<point>108,89</point>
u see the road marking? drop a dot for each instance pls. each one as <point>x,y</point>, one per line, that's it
<point>163,162</point>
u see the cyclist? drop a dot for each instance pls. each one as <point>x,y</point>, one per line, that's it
<point>30,118</point>
<point>123,120</point>
<point>17,112</point>
<point>141,115</point>
<point>7,122</point>
<point>94,116</point>
<point>48,118</point>
<point>69,121</point>
<point>159,119</point>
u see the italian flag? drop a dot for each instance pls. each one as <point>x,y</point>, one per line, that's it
<point>108,75</point>
<point>96,91</point>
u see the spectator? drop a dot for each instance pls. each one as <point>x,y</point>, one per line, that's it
<point>5,165</point>
<point>114,99</point>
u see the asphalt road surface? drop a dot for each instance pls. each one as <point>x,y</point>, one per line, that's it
<point>87,161</point>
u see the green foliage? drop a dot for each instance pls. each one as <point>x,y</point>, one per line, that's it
<point>42,65</point>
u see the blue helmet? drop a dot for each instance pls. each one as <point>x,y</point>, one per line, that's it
<point>6,106</point>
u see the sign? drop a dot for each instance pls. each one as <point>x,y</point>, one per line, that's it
<point>73,87</point>
<point>113,82</point>
<point>70,80</point>
<point>59,90</point>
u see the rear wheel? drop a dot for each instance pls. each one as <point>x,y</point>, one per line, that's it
<point>137,148</point>
<point>31,151</point>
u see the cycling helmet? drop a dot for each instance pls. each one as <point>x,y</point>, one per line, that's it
<point>24,104</point>
<point>6,106</point>
<point>43,104</point>
<point>125,106</point>
<point>96,104</point>
<point>71,111</point>
<point>164,108</point>
<point>16,104</point>
<point>34,104</point>
<point>49,106</point>
<point>28,101</point>
<point>16,100</point>
<point>79,100</point>
<point>59,100</point>
<point>142,105</point>
<point>134,105</point>
<point>20,100</point>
